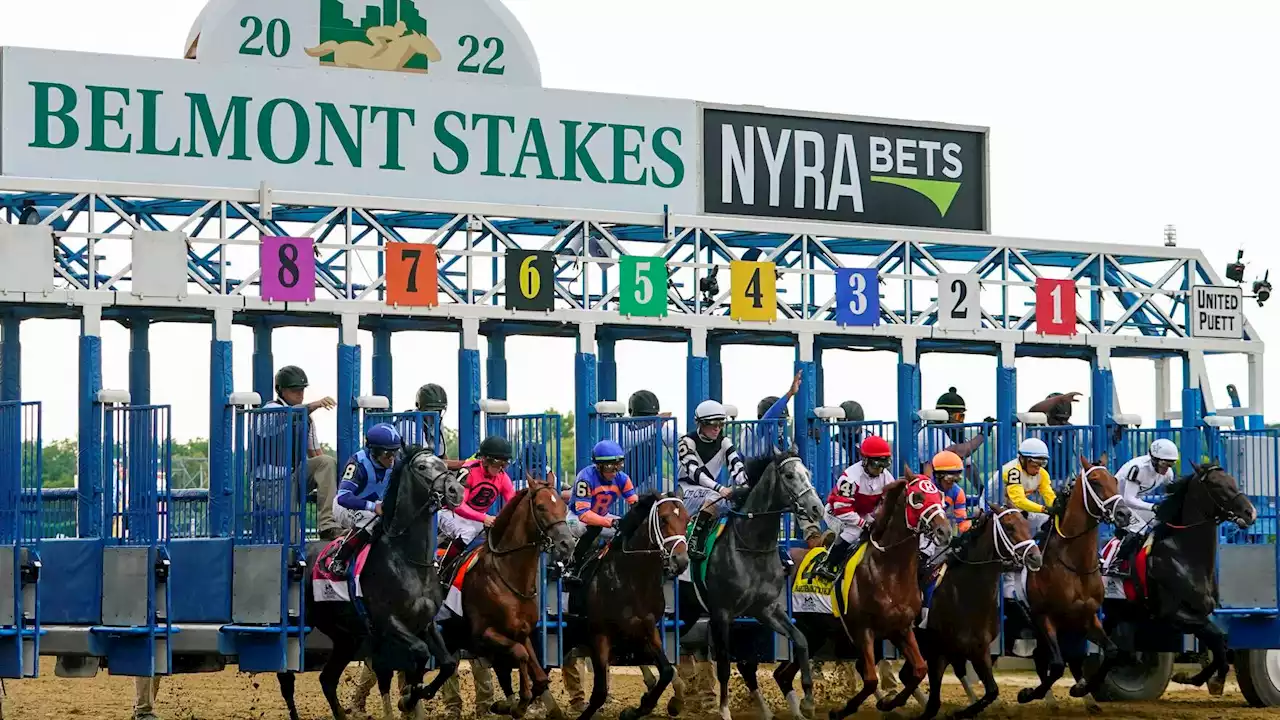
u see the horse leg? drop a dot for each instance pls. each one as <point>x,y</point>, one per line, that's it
<point>1211,637</point>
<point>870,678</point>
<point>959,667</point>
<point>684,686</point>
<point>364,685</point>
<point>344,651</point>
<point>384,675</point>
<point>502,670</point>
<point>515,655</point>
<point>540,682</point>
<point>286,680</point>
<point>448,668</point>
<point>1076,664</point>
<point>991,691</point>
<point>721,630</point>
<point>747,669</point>
<point>600,647</point>
<point>907,645</point>
<point>1110,656</point>
<point>666,671</point>
<point>1046,638</point>
<point>937,664</point>
<point>776,618</point>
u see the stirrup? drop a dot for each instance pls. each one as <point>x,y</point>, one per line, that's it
<point>826,572</point>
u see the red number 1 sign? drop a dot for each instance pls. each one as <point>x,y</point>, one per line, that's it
<point>1055,307</point>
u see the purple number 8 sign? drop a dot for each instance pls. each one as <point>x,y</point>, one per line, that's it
<point>288,269</point>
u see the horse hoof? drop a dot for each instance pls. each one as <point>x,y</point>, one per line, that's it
<point>1026,695</point>
<point>1079,690</point>
<point>501,707</point>
<point>673,708</point>
<point>629,714</point>
<point>834,715</point>
<point>807,708</point>
<point>1093,708</point>
<point>1215,687</point>
<point>406,704</point>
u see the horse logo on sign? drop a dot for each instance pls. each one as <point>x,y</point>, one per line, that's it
<point>360,34</point>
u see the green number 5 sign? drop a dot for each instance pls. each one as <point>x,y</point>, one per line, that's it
<point>643,287</point>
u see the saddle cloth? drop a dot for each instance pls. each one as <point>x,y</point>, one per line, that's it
<point>453,596</point>
<point>327,588</point>
<point>810,593</point>
<point>1120,582</point>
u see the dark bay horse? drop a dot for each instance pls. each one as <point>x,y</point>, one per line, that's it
<point>1067,591</point>
<point>1182,562</point>
<point>401,593</point>
<point>500,601</point>
<point>884,596</point>
<point>744,573</point>
<point>620,608</point>
<point>964,615</point>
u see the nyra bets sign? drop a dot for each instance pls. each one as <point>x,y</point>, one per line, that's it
<point>844,170</point>
<point>1217,312</point>
<point>341,131</point>
<point>473,40</point>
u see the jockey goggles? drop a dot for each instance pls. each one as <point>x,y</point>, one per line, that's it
<point>876,462</point>
<point>609,463</point>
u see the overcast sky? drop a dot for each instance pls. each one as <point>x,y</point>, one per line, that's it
<point>1108,121</point>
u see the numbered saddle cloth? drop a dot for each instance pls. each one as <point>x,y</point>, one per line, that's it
<point>1125,578</point>
<point>456,574</point>
<point>329,588</point>
<point>811,593</point>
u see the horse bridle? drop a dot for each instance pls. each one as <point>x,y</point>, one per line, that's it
<point>793,499</point>
<point>665,545</point>
<point>1007,552</point>
<point>922,523</point>
<point>435,498</point>
<point>1106,508</point>
<point>542,538</point>
<point>1224,514</point>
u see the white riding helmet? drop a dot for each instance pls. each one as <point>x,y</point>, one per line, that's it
<point>1163,449</point>
<point>709,411</point>
<point>1034,448</point>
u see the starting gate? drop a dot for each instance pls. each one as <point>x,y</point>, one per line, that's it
<point>1249,559</point>
<point>134,634</point>
<point>267,629</point>
<point>21,528</point>
<point>981,467</point>
<point>416,427</point>
<point>838,444</point>
<point>535,450</point>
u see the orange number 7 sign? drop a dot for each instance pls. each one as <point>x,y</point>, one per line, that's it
<point>411,275</point>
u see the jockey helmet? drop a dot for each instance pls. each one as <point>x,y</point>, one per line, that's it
<point>875,446</point>
<point>947,462</point>
<point>291,377</point>
<point>1034,448</point>
<point>853,411</point>
<point>382,436</point>
<point>763,407</point>
<point>495,447</point>
<point>432,398</point>
<point>642,403</point>
<point>1164,449</point>
<point>950,401</point>
<point>606,450</point>
<point>709,411</point>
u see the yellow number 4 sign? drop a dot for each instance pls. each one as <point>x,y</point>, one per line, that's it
<point>753,290</point>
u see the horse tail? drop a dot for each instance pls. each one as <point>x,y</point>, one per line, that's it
<point>325,48</point>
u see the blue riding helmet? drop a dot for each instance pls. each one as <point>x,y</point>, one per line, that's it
<point>606,450</point>
<point>382,436</point>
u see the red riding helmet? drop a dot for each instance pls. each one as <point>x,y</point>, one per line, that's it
<point>875,446</point>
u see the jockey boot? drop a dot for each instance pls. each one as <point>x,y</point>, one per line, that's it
<point>836,556</point>
<point>340,563</point>
<point>703,525</point>
<point>586,544</point>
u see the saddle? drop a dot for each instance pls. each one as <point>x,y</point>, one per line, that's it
<point>453,555</point>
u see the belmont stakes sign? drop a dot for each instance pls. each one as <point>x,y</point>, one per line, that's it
<point>342,131</point>
<point>830,168</point>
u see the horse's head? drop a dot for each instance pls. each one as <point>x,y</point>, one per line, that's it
<point>549,512</point>
<point>1100,493</point>
<point>669,522</point>
<point>1014,543</point>
<point>925,510</point>
<point>796,485</point>
<point>1229,503</point>
<point>429,472</point>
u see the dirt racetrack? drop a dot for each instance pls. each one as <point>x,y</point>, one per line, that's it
<point>233,696</point>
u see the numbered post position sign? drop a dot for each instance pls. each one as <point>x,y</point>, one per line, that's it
<point>753,291</point>
<point>1055,307</point>
<point>857,296</point>
<point>959,305</point>
<point>288,269</point>
<point>642,289</point>
<point>530,283</point>
<point>412,279</point>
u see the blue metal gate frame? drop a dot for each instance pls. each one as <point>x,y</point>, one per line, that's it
<point>21,529</point>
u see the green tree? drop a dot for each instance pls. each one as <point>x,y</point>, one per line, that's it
<point>59,463</point>
<point>568,461</point>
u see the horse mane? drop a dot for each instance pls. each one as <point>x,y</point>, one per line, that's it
<point>894,492</point>
<point>1064,497</point>
<point>1175,493</point>
<point>503,519</point>
<point>637,514</point>
<point>756,468</point>
<point>392,498</point>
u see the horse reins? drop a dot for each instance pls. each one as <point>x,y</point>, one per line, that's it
<point>792,506</point>
<point>925,518</point>
<point>541,540</point>
<point>1106,512</point>
<point>1017,552</point>
<point>664,545</point>
<point>1225,514</point>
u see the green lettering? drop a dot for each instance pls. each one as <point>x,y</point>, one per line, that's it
<point>493,142</point>
<point>393,133</point>
<point>43,114</point>
<point>533,133</point>
<point>301,131</point>
<point>98,119</point>
<point>621,153</point>
<point>575,151</point>
<point>668,156</point>
<point>461,156</point>
<point>236,117</point>
<point>149,123</point>
<point>354,148</point>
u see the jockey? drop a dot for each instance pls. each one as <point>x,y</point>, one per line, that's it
<point>597,487</point>
<point>947,470</point>
<point>1141,476</point>
<point>486,481</point>
<point>1027,484</point>
<point>853,500</point>
<point>702,455</point>
<point>358,504</point>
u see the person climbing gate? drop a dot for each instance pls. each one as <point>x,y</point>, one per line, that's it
<point>358,504</point>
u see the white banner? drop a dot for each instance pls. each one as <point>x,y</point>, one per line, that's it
<point>1217,312</point>
<point>180,122</point>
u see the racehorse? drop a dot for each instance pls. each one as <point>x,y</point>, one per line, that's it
<point>964,614</point>
<point>620,607</point>
<point>1067,591</point>
<point>744,575</point>
<point>1181,586</point>
<point>500,603</point>
<point>884,594</point>
<point>401,593</point>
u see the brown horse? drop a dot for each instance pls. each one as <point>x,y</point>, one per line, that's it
<point>500,592</point>
<point>1067,591</point>
<point>964,615</point>
<point>884,597</point>
<point>619,610</point>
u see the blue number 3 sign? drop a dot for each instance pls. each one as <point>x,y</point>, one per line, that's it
<point>857,296</point>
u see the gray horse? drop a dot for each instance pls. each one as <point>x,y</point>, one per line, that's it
<point>744,573</point>
<point>400,592</point>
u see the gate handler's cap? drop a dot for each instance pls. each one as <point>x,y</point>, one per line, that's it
<point>432,398</point>
<point>853,411</point>
<point>951,401</point>
<point>291,377</point>
<point>642,404</point>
